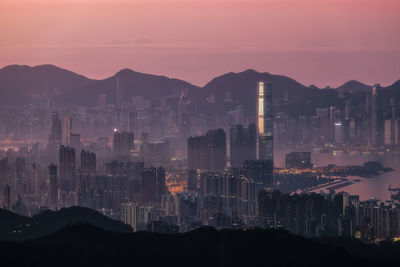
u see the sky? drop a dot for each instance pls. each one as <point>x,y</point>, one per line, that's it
<point>322,42</point>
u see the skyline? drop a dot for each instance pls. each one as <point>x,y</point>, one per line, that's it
<point>325,43</point>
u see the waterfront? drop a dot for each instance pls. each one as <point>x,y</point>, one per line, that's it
<point>366,188</point>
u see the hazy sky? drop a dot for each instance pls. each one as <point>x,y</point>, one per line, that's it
<point>325,42</point>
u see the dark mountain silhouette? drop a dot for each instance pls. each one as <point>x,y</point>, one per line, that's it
<point>246,82</point>
<point>354,87</point>
<point>133,84</point>
<point>16,227</point>
<point>85,245</point>
<point>393,90</point>
<point>243,87</point>
<point>21,84</point>
<point>24,84</point>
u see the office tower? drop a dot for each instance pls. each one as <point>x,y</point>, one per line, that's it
<point>67,131</point>
<point>7,197</point>
<point>265,121</point>
<point>339,132</point>
<point>88,162</point>
<point>153,184</point>
<point>298,160</point>
<point>324,122</point>
<point>55,134</point>
<point>123,143</point>
<point>243,144</point>
<point>53,186</point>
<point>335,115</point>
<point>132,121</point>
<point>67,169</point>
<point>376,117</point>
<point>391,132</point>
<point>36,181</point>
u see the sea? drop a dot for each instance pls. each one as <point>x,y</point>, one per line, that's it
<point>367,188</point>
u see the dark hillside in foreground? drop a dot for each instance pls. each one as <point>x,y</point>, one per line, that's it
<point>16,227</point>
<point>84,245</point>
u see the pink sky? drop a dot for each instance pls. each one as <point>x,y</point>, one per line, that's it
<point>325,42</point>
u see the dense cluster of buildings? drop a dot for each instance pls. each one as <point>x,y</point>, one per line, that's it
<point>329,215</point>
<point>132,152</point>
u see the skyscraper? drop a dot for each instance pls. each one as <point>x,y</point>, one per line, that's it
<point>67,130</point>
<point>197,149</point>
<point>7,197</point>
<point>88,162</point>
<point>36,181</point>
<point>53,186</point>
<point>67,169</point>
<point>216,149</point>
<point>376,117</point>
<point>153,184</point>
<point>265,121</point>
<point>243,144</point>
<point>55,134</point>
<point>207,152</point>
<point>123,143</point>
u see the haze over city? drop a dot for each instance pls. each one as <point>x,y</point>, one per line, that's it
<point>199,133</point>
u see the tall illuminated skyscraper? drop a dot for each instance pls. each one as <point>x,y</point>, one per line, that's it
<point>265,121</point>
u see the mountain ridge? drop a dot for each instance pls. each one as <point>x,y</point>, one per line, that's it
<point>23,84</point>
<point>85,245</point>
<point>17,227</point>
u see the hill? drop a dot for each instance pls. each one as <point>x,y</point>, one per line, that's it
<point>243,88</point>
<point>354,87</point>
<point>16,227</point>
<point>21,84</point>
<point>84,245</point>
<point>132,83</point>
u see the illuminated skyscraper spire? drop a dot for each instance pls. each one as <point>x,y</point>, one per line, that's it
<point>265,121</point>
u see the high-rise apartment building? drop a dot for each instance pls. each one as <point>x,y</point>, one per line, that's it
<point>207,152</point>
<point>123,143</point>
<point>88,162</point>
<point>243,144</point>
<point>53,186</point>
<point>55,134</point>
<point>153,184</point>
<point>7,197</point>
<point>67,169</point>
